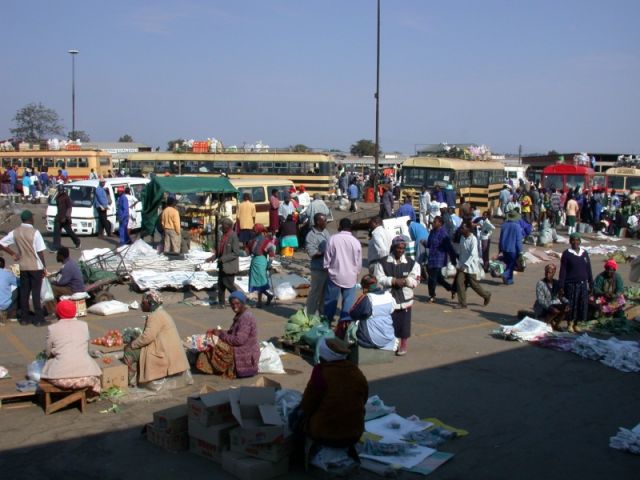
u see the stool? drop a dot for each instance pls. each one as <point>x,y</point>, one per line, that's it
<point>68,397</point>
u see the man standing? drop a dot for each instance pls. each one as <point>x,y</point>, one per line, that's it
<point>504,199</point>
<point>400,274</point>
<point>29,254</point>
<point>440,250</point>
<point>379,243</point>
<point>469,268</point>
<point>343,260</point>
<point>316,245</point>
<point>93,175</point>
<point>303,198</point>
<point>425,200</point>
<point>556,205</point>
<point>170,222</point>
<point>69,279</point>
<point>122,214</point>
<point>274,207</point>
<point>13,177</point>
<point>62,220</point>
<point>228,263</point>
<point>246,218</point>
<point>353,196</point>
<point>343,183</point>
<point>406,210</point>
<point>511,237</point>
<point>286,208</point>
<point>101,203</point>
<point>386,202</point>
<point>316,206</point>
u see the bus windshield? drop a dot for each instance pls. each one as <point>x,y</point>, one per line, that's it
<point>553,181</point>
<point>633,182</point>
<point>416,177</point>
<point>616,182</point>
<point>81,196</point>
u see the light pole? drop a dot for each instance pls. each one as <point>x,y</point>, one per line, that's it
<point>377,95</point>
<point>73,54</point>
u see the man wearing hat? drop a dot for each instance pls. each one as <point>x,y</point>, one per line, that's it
<point>29,254</point>
<point>101,203</point>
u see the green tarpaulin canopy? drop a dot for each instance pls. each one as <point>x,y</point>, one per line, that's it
<point>154,191</point>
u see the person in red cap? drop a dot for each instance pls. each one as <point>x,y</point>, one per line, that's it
<point>68,362</point>
<point>608,289</point>
<point>303,198</point>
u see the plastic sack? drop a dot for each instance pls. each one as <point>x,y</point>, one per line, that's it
<point>4,372</point>
<point>285,291</point>
<point>46,292</point>
<point>110,307</point>
<point>314,334</point>
<point>178,380</point>
<point>34,370</point>
<point>449,270</point>
<point>270,359</point>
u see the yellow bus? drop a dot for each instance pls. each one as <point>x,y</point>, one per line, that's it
<point>78,163</point>
<point>623,179</point>
<point>316,171</point>
<point>477,182</point>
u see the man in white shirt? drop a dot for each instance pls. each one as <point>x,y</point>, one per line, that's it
<point>379,243</point>
<point>469,268</point>
<point>29,255</point>
<point>425,200</point>
<point>303,198</point>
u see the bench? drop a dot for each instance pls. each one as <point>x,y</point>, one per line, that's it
<point>68,397</point>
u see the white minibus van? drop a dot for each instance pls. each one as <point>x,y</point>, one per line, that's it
<point>84,217</point>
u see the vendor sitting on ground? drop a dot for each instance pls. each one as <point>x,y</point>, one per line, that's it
<point>373,310</point>
<point>158,352</point>
<point>548,306</point>
<point>333,403</point>
<point>608,290</point>
<point>68,364</point>
<point>236,352</point>
<point>69,279</point>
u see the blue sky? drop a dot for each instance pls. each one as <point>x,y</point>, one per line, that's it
<point>548,75</point>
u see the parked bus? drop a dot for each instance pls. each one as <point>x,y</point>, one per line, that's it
<point>564,177</point>
<point>316,171</point>
<point>623,179</point>
<point>77,163</point>
<point>477,182</point>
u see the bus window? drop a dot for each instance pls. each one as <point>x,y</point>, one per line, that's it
<point>495,176</point>
<point>72,162</point>
<point>60,163</point>
<point>598,181</point>
<point>574,181</point>
<point>616,183</point>
<point>464,178</point>
<point>414,177</point>
<point>480,178</point>
<point>83,162</point>
<point>633,182</point>
<point>104,162</point>
<point>553,181</point>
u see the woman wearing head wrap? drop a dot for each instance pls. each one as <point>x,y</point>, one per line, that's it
<point>373,310</point>
<point>236,352</point>
<point>68,364</point>
<point>400,274</point>
<point>158,352</point>
<point>333,402</point>
<point>262,248</point>
<point>608,289</point>
<point>576,280</point>
<point>548,306</point>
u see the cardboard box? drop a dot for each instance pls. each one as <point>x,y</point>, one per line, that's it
<point>272,452</point>
<point>254,409</point>
<point>172,442</point>
<point>115,375</point>
<point>210,408</point>
<point>217,435</point>
<point>81,307</point>
<point>248,468</point>
<point>206,449</point>
<point>171,420</point>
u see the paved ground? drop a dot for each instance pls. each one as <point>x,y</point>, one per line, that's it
<point>531,413</point>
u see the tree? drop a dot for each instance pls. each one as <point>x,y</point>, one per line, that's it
<point>35,122</point>
<point>79,135</point>
<point>364,148</point>
<point>126,138</point>
<point>299,148</point>
<point>171,144</point>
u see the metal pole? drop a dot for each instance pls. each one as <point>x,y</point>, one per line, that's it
<point>73,92</point>
<point>377,147</point>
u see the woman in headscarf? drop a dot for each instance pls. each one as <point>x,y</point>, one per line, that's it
<point>262,248</point>
<point>157,353</point>
<point>234,353</point>
<point>373,310</point>
<point>608,289</point>
<point>400,274</point>
<point>548,306</point>
<point>576,280</point>
<point>68,364</point>
<point>333,403</point>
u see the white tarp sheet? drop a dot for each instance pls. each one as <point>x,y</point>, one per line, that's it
<point>146,279</point>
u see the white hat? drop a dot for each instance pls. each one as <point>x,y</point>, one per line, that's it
<point>443,205</point>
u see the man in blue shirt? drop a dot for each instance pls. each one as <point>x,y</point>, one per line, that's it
<point>69,280</point>
<point>510,244</point>
<point>353,196</point>
<point>14,178</point>
<point>101,203</point>
<point>440,250</point>
<point>406,210</point>
<point>7,293</point>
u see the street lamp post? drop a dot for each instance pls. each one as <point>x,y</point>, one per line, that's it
<point>377,96</point>
<point>73,54</point>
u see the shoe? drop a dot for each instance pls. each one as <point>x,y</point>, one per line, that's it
<point>401,353</point>
<point>432,300</point>
<point>269,300</point>
<point>459,307</point>
<point>487,300</point>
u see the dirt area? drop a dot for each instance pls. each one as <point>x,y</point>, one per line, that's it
<point>532,413</point>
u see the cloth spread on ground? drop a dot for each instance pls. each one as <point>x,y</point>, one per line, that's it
<point>627,440</point>
<point>525,330</point>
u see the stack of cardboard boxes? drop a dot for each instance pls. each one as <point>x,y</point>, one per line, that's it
<point>239,428</point>
<point>169,429</point>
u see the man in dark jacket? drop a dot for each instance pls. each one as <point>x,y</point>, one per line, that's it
<point>228,264</point>
<point>63,220</point>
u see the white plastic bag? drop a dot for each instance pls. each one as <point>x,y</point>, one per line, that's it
<point>285,291</point>
<point>34,370</point>
<point>449,270</point>
<point>46,292</point>
<point>270,359</point>
<point>110,307</point>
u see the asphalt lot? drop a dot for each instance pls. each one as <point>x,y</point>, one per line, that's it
<point>532,413</point>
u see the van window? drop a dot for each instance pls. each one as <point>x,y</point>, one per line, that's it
<point>282,189</point>
<point>257,193</point>
<point>81,196</point>
<point>136,189</point>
